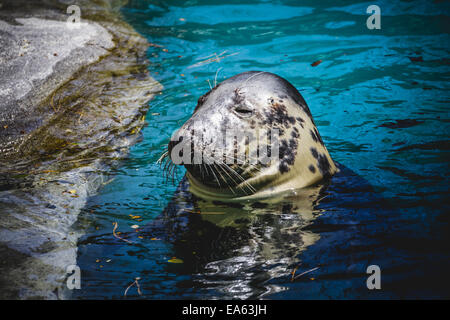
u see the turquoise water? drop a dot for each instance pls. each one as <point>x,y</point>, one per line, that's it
<point>380,100</point>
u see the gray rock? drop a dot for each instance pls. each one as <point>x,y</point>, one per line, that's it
<point>38,56</point>
<point>65,119</point>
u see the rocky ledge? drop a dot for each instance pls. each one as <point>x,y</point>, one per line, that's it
<point>72,101</point>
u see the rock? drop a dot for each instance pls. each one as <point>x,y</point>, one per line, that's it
<point>37,56</point>
<point>73,101</point>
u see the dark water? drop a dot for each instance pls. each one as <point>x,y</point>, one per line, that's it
<point>380,100</point>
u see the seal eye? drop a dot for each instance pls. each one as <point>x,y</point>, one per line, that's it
<point>243,111</point>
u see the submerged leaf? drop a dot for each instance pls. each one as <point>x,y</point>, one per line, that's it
<point>175,260</point>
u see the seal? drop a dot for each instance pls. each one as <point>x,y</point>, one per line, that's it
<point>235,220</point>
<point>248,249</point>
<point>246,107</point>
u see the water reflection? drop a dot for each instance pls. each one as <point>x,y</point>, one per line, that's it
<point>236,249</point>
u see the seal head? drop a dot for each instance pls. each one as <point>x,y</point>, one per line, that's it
<point>250,137</point>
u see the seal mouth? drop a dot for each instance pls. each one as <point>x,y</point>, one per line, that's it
<point>216,176</point>
<point>221,179</point>
<point>222,176</point>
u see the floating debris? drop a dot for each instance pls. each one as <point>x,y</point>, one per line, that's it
<point>213,58</point>
<point>115,234</point>
<point>175,260</point>
<point>293,271</point>
<point>302,274</point>
<point>135,282</point>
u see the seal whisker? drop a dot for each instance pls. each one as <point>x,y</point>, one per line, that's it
<point>221,167</point>
<point>171,171</point>
<point>211,169</point>
<point>248,170</point>
<point>162,157</point>
<point>166,164</point>
<point>217,166</point>
<point>246,183</point>
<point>205,168</point>
<point>215,176</point>
<point>202,172</point>
<point>228,185</point>
<point>174,173</point>
<point>252,166</point>
<point>252,189</point>
<point>166,170</point>
<point>252,76</point>
<point>215,78</point>
<point>169,167</point>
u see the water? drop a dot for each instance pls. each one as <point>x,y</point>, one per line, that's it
<point>380,100</point>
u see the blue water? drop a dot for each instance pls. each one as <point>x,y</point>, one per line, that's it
<point>380,100</point>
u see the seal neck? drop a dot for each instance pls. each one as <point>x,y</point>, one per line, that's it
<point>226,195</point>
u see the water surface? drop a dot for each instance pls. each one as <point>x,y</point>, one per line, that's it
<point>380,100</point>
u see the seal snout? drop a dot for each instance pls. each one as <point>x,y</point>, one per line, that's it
<point>186,143</point>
